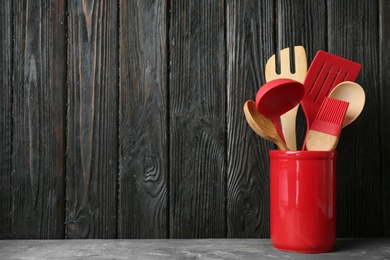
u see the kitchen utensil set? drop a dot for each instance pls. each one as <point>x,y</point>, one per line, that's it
<point>329,98</point>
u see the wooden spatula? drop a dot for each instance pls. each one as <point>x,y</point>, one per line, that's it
<point>325,131</point>
<point>288,119</point>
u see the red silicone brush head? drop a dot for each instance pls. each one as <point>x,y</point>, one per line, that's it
<point>330,116</point>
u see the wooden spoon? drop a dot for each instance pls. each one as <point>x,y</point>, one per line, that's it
<point>262,125</point>
<point>354,94</point>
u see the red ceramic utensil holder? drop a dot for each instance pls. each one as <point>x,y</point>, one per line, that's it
<point>303,200</point>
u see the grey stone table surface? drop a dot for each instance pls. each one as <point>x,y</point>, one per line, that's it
<point>182,249</point>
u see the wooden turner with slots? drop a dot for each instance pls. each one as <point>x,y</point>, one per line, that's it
<point>288,119</point>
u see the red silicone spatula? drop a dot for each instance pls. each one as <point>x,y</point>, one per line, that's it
<point>325,131</point>
<point>325,72</point>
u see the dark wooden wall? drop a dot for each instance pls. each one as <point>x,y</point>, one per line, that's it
<point>123,119</point>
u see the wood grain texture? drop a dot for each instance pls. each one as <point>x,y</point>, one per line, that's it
<point>5,118</point>
<point>38,156</point>
<point>197,98</point>
<point>250,38</point>
<point>301,22</point>
<point>124,119</point>
<point>384,97</point>
<point>92,165</point>
<point>353,34</point>
<point>143,120</point>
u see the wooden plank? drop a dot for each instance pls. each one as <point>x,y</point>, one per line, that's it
<point>92,165</point>
<point>197,102</point>
<point>38,159</point>
<point>384,106</point>
<point>250,42</point>
<point>302,22</point>
<point>353,34</point>
<point>5,118</point>
<point>143,120</point>
<point>160,249</point>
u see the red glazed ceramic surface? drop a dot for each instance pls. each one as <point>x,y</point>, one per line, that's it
<point>303,200</point>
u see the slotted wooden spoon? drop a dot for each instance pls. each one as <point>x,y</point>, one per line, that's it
<point>288,119</point>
